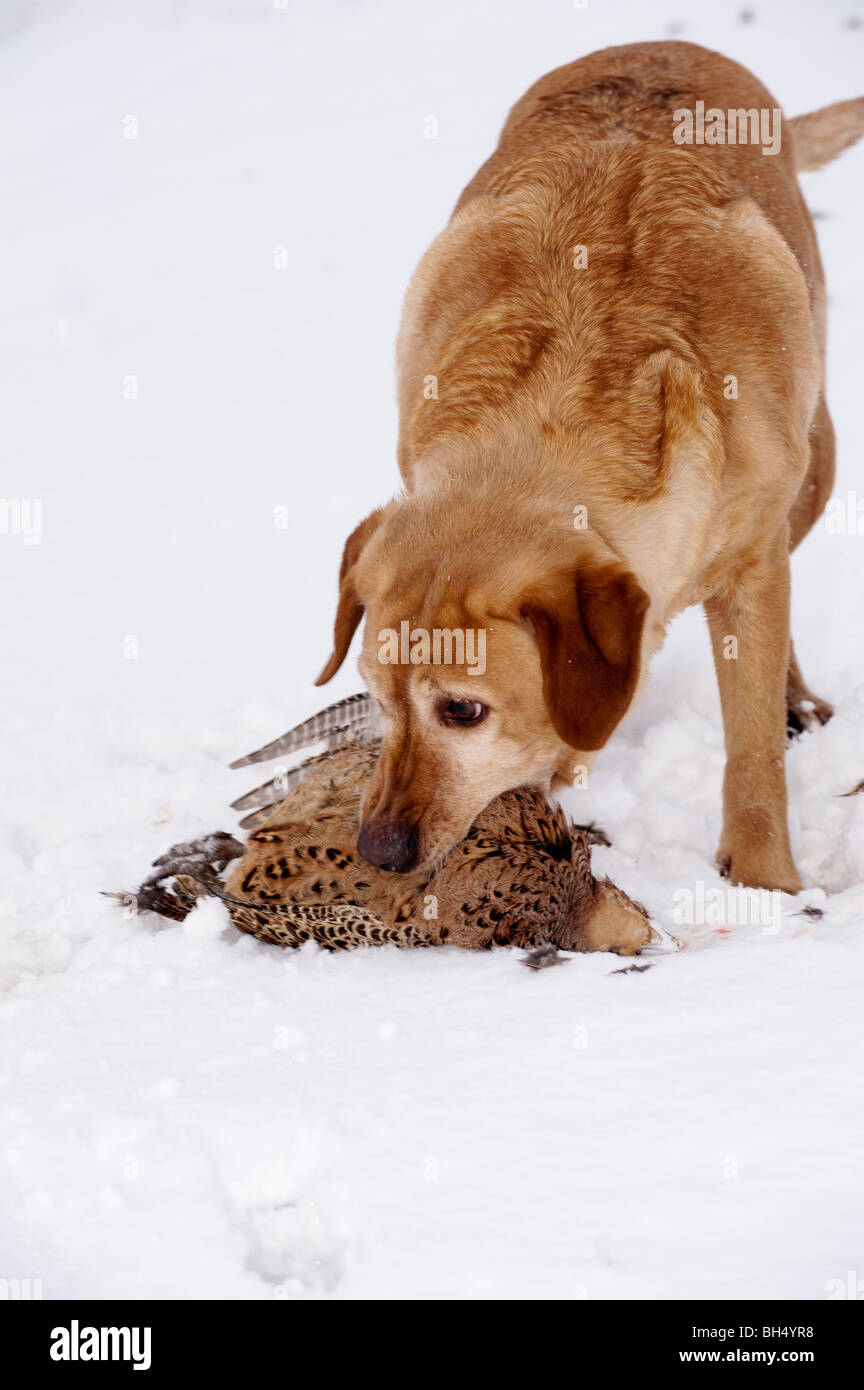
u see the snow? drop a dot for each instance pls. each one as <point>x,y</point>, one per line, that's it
<point>187,1112</point>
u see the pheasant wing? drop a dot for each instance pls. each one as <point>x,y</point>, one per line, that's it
<point>356,717</point>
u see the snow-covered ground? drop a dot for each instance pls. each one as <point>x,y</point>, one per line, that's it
<point>210,211</point>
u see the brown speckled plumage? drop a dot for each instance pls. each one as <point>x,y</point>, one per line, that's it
<point>521,876</point>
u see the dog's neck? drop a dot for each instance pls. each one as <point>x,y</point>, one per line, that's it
<point>506,504</point>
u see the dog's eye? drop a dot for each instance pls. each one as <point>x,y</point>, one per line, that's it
<point>463,712</point>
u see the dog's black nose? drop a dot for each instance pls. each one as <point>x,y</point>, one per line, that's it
<point>389,845</point>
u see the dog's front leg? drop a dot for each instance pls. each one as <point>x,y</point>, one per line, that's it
<point>749,626</point>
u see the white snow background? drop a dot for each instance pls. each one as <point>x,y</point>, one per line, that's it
<point>190,1113</point>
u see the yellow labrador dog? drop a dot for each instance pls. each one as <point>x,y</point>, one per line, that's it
<point>611,395</point>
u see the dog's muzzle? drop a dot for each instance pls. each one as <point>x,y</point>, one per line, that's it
<point>389,845</point>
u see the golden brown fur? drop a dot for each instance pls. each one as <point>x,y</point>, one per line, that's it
<point>535,391</point>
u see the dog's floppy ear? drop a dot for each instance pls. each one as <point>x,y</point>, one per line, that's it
<point>349,610</point>
<point>588,627</point>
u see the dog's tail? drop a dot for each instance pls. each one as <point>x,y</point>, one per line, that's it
<point>821,135</point>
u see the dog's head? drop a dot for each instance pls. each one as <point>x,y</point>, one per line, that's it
<point>492,673</point>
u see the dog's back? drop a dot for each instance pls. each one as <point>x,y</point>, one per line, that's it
<point>631,93</point>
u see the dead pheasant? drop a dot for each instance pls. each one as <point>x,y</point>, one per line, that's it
<point>521,877</point>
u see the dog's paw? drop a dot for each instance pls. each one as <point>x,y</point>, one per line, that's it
<point>743,871</point>
<point>805,714</point>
